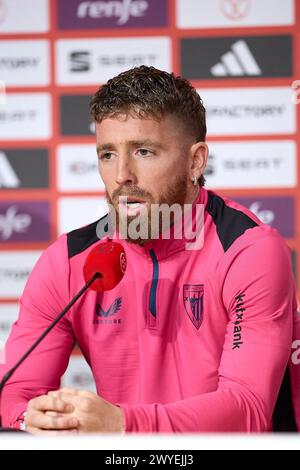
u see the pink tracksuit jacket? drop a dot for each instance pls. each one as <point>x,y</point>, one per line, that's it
<point>188,341</point>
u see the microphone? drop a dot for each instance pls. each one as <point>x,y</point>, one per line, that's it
<point>103,269</point>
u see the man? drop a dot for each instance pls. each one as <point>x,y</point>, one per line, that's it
<point>201,335</point>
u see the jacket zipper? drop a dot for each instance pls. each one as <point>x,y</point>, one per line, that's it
<point>152,318</point>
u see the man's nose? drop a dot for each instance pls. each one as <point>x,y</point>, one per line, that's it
<point>125,172</point>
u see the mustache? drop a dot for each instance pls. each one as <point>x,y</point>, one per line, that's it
<point>130,191</point>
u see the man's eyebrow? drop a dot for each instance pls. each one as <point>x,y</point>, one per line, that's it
<point>145,143</point>
<point>131,143</point>
<point>107,146</point>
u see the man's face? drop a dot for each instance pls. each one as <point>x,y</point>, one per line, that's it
<point>144,162</point>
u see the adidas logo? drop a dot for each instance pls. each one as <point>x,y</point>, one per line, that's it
<point>237,62</point>
<point>8,178</point>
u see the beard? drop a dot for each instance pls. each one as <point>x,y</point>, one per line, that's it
<point>148,223</point>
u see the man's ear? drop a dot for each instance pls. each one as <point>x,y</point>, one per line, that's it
<point>199,156</point>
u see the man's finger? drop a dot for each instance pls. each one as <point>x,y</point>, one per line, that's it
<point>43,421</point>
<point>49,403</point>
<point>37,431</point>
<point>80,402</point>
<point>71,391</point>
<point>56,414</point>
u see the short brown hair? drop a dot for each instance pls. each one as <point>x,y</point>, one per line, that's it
<point>149,92</point>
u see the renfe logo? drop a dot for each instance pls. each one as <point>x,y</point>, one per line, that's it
<point>22,221</point>
<point>80,14</point>
<point>122,9</point>
<point>11,222</point>
<point>276,211</point>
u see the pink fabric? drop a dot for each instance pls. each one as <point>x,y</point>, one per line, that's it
<point>294,367</point>
<point>167,375</point>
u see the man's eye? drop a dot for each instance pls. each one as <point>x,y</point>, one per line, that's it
<point>105,156</point>
<point>144,152</point>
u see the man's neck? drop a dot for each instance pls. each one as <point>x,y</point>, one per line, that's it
<point>193,196</point>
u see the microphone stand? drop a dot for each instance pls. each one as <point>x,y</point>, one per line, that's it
<point>8,375</point>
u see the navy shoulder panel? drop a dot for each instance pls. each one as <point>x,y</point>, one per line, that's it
<point>82,238</point>
<point>230,223</point>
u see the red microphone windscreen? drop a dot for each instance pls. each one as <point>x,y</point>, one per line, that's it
<point>109,259</point>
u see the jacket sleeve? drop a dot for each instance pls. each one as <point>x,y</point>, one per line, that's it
<point>294,369</point>
<point>257,289</point>
<point>45,295</point>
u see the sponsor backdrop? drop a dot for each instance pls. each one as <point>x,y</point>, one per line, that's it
<point>242,56</point>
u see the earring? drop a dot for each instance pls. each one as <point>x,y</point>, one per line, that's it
<point>195,180</point>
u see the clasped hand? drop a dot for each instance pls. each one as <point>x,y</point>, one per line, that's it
<point>72,411</point>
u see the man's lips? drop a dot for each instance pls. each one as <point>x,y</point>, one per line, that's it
<point>132,205</point>
<point>130,200</point>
